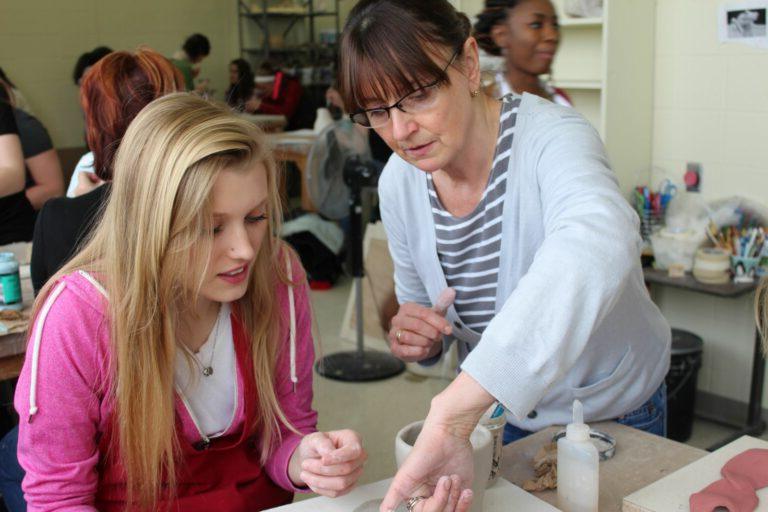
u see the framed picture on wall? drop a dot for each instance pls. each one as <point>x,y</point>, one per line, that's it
<point>744,23</point>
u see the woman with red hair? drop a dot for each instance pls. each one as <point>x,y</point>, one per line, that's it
<point>113,92</point>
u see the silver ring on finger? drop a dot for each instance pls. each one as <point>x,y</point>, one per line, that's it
<point>410,504</point>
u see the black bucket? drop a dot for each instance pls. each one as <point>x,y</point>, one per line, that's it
<point>687,349</point>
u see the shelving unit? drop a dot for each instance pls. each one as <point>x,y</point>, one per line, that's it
<point>581,22</point>
<point>586,85</point>
<point>266,27</point>
<point>606,66</point>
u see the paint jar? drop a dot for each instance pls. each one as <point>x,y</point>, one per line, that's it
<point>744,268</point>
<point>712,265</point>
<point>10,282</point>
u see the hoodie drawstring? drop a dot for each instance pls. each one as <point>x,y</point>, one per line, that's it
<point>36,348</point>
<point>38,336</point>
<point>292,307</point>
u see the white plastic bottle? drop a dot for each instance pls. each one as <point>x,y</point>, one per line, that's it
<point>578,467</point>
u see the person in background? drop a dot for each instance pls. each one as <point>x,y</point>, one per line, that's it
<point>240,95</point>
<point>42,174</point>
<point>526,34</point>
<point>277,92</point>
<point>512,204</point>
<point>16,97</point>
<point>15,210</point>
<point>85,164</point>
<point>186,382</point>
<point>12,201</point>
<point>379,149</point>
<point>44,179</point>
<point>86,60</point>
<point>113,92</point>
<point>196,48</point>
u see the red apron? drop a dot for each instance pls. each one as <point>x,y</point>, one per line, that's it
<point>224,475</point>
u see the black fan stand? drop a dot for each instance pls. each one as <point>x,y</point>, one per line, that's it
<point>359,365</point>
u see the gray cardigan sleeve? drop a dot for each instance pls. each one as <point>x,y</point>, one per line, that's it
<point>577,275</point>
<point>408,285</point>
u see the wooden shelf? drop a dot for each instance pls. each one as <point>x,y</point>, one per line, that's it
<point>585,85</point>
<point>687,282</point>
<point>267,30</point>
<point>605,64</point>
<point>289,14</point>
<point>581,22</point>
<point>294,49</point>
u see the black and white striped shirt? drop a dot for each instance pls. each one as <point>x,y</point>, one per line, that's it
<point>468,247</point>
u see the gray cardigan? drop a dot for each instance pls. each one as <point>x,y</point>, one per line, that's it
<point>573,316</point>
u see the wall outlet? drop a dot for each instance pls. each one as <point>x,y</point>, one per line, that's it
<point>692,177</point>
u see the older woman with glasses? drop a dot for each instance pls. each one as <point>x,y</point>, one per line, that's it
<point>512,205</point>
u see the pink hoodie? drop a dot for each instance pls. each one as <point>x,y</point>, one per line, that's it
<point>60,396</point>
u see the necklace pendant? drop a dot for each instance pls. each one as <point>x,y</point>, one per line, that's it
<point>208,371</point>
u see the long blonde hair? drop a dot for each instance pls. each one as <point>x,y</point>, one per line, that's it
<point>150,249</point>
<point>761,312</point>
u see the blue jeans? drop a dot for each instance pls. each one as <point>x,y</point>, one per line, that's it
<point>11,473</point>
<point>650,417</point>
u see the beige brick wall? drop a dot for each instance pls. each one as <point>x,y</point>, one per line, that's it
<point>711,102</point>
<point>711,107</point>
<point>40,42</point>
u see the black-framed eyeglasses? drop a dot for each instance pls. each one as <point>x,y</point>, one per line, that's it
<point>416,101</point>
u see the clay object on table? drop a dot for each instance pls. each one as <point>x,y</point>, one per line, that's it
<point>10,315</point>
<point>13,321</point>
<point>545,469</point>
<point>742,475</point>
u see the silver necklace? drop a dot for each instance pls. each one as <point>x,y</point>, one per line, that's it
<point>207,370</point>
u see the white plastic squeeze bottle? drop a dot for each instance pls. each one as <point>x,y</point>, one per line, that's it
<point>578,467</point>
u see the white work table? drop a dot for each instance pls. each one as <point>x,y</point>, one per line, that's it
<point>640,460</point>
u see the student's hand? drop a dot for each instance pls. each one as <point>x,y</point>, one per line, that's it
<point>329,463</point>
<point>253,104</point>
<point>416,332</point>
<point>202,87</point>
<point>87,181</point>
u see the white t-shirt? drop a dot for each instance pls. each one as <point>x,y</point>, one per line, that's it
<point>211,400</point>
<point>504,89</point>
<point>85,164</point>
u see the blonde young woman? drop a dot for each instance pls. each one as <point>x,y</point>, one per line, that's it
<point>170,362</point>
